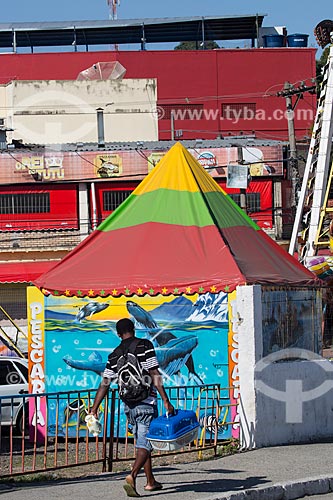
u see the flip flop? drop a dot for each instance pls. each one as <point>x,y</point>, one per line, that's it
<point>157,486</point>
<point>130,490</point>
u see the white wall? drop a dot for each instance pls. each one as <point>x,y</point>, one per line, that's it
<point>57,112</point>
<point>298,404</point>
<point>282,402</point>
<point>250,351</point>
<point>3,101</point>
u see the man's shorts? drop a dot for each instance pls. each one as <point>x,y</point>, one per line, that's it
<point>140,417</point>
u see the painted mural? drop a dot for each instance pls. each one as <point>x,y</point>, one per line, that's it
<point>189,333</point>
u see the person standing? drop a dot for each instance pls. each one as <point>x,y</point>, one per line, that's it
<point>141,413</point>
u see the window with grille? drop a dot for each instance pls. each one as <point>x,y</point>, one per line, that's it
<point>25,203</point>
<point>181,111</point>
<point>252,201</point>
<point>112,199</point>
<point>239,111</point>
<point>13,300</point>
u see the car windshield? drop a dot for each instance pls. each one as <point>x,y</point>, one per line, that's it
<point>23,369</point>
<point>9,374</point>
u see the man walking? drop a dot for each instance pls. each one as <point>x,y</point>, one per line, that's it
<point>141,413</point>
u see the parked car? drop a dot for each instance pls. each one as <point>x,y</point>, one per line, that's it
<point>13,382</point>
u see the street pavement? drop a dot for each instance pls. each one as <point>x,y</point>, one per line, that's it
<point>329,496</point>
<point>277,473</point>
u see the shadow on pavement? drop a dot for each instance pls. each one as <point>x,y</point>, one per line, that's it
<point>204,485</point>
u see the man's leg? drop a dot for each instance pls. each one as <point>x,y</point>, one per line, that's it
<point>152,484</point>
<point>141,457</point>
<point>141,421</point>
<point>130,480</point>
<point>149,471</point>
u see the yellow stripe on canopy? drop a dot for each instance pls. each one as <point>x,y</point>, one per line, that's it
<point>188,171</point>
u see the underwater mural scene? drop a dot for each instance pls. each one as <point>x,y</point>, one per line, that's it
<point>189,334</point>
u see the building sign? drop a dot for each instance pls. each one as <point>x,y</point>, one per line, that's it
<point>42,167</point>
<point>233,365</point>
<point>255,159</point>
<point>19,168</point>
<point>36,349</point>
<point>206,158</point>
<point>108,165</point>
<point>153,159</point>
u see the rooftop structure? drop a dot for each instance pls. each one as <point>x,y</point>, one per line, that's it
<point>141,31</point>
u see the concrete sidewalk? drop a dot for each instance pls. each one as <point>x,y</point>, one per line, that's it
<point>285,472</point>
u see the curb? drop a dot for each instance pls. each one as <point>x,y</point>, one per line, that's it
<point>5,488</point>
<point>290,490</point>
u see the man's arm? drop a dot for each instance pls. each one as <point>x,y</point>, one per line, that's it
<point>100,395</point>
<point>158,383</point>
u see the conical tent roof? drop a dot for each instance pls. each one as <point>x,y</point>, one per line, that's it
<point>178,232</point>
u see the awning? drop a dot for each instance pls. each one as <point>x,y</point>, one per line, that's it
<point>23,272</point>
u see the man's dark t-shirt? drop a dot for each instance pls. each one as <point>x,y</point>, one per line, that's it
<point>146,355</point>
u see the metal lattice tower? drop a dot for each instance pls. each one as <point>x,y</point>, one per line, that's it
<point>113,4</point>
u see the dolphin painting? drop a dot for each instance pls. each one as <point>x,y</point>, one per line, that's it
<point>171,357</point>
<point>93,363</point>
<point>160,337</point>
<point>90,309</point>
<point>140,315</point>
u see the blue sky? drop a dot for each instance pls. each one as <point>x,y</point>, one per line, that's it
<point>298,17</point>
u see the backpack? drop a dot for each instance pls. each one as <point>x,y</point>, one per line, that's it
<point>132,386</point>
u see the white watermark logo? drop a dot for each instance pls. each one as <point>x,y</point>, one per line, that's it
<point>54,116</point>
<point>13,378</point>
<point>159,112</point>
<point>232,114</point>
<point>293,394</point>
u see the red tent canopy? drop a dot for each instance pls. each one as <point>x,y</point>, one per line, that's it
<point>177,233</point>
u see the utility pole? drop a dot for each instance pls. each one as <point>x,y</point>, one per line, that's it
<point>293,161</point>
<point>293,172</point>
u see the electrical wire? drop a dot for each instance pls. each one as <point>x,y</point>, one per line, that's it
<point>142,155</point>
<point>309,103</point>
<point>160,101</point>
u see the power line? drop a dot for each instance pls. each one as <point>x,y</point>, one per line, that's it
<point>185,99</point>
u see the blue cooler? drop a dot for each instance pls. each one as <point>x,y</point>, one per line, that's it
<point>169,433</point>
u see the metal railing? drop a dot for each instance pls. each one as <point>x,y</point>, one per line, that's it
<point>40,433</point>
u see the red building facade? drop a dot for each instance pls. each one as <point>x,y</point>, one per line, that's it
<point>201,95</point>
<point>207,94</point>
